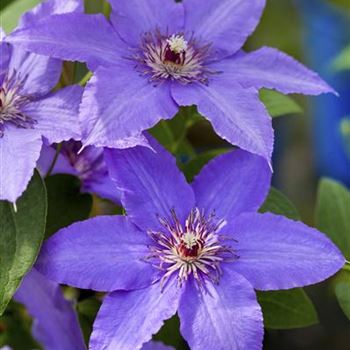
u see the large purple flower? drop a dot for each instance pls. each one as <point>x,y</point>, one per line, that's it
<point>199,250</point>
<point>156,55</point>
<point>29,112</point>
<point>88,165</point>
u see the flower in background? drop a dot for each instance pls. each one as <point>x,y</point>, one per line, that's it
<point>88,165</point>
<point>156,55</point>
<point>29,113</point>
<point>199,250</point>
<point>55,325</point>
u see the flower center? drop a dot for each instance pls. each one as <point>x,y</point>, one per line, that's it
<point>195,248</point>
<point>164,57</point>
<point>11,104</point>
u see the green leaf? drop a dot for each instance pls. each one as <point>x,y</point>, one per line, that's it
<point>342,290</point>
<point>333,213</point>
<point>11,14</point>
<point>87,311</point>
<point>193,167</point>
<point>66,203</point>
<point>276,202</point>
<point>21,235</point>
<point>287,309</point>
<point>278,104</point>
<point>342,62</point>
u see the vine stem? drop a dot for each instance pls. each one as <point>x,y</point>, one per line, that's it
<point>58,150</point>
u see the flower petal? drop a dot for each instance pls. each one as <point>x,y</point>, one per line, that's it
<point>155,345</point>
<point>237,114</point>
<point>225,24</point>
<point>56,325</point>
<point>114,109</point>
<point>57,114</point>
<point>278,253</point>
<point>272,69</point>
<point>72,36</point>
<point>150,183</point>
<point>104,254</point>
<point>133,18</point>
<point>225,316</point>
<point>232,183</point>
<point>50,7</point>
<point>126,320</point>
<point>19,152</point>
<point>39,73</point>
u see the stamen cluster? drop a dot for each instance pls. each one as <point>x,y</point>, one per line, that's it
<point>12,103</point>
<point>172,57</point>
<point>195,249</point>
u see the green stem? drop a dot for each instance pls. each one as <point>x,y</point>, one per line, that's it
<point>58,150</point>
<point>85,79</point>
<point>346,267</point>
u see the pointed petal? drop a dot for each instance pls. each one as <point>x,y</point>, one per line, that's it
<point>56,325</point>
<point>19,152</point>
<point>236,114</point>
<point>225,316</point>
<point>50,7</point>
<point>155,345</point>
<point>232,183</point>
<point>57,114</point>
<point>72,36</point>
<point>278,253</point>
<point>150,183</point>
<point>104,254</point>
<point>133,18</point>
<point>226,24</point>
<point>126,320</point>
<point>114,109</point>
<point>272,69</point>
<point>39,73</point>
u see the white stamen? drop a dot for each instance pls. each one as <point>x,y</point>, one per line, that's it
<point>177,43</point>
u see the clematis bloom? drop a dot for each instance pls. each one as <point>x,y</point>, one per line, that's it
<point>88,165</point>
<point>199,250</point>
<point>153,56</point>
<point>30,114</point>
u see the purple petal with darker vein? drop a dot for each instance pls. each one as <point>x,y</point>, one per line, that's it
<point>237,114</point>
<point>232,183</point>
<point>72,36</point>
<point>126,320</point>
<point>19,152</point>
<point>57,114</point>
<point>133,18</point>
<point>150,183</point>
<point>225,316</point>
<point>105,253</point>
<point>114,109</point>
<point>225,24</point>
<point>56,325</point>
<point>39,74</point>
<point>50,7</point>
<point>273,69</point>
<point>278,253</point>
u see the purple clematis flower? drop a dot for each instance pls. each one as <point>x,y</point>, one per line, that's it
<point>88,165</point>
<point>153,56</point>
<point>199,250</point>
<point>29,112</point>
